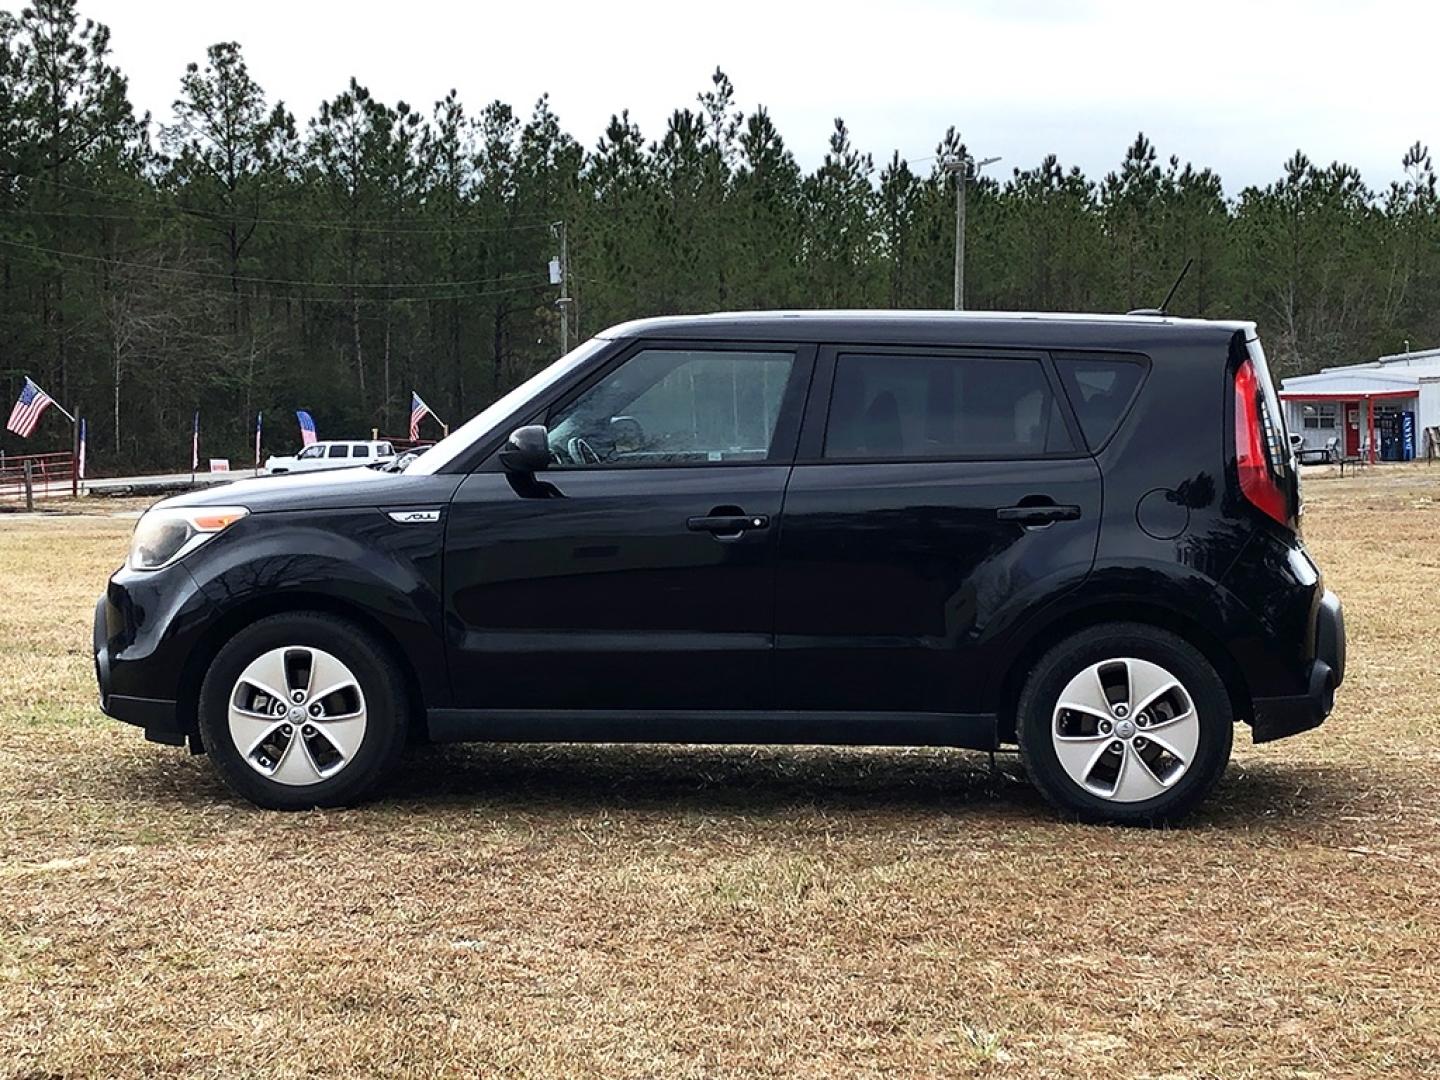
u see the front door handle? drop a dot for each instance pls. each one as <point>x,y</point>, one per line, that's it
<point>1042,514</point>
<point>727,526</point>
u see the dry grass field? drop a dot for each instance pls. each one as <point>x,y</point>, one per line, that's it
<point>652,912</point>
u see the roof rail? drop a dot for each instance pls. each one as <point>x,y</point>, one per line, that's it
<point>1146,311</point>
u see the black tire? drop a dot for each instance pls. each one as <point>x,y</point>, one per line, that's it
<point>1035,715</point>
<point>379,678</point>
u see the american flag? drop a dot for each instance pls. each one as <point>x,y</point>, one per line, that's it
<point>195,443</point>
<point>26,414</point>
<point>418,411</point>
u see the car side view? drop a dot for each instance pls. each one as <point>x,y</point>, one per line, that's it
<point>1077,535</point>
<point>330,454</point>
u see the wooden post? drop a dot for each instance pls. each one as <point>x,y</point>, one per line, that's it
<point>29,485</point>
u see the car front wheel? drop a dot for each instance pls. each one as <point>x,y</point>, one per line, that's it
<point>303,710</point>
<point>1125,723</point>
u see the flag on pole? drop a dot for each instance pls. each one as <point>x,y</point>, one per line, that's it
<point>80,453</point>
<point>258,417</point>
<point>26,414</point>
<point>418,411</point>
<point>307,427</point>
<point>195,443</point>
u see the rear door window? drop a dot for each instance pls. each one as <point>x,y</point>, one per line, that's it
<point>1100,389</point>
<point>896,406</point>
<point>360,450</point>
<point>337,451</point>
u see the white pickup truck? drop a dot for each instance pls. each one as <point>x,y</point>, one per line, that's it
<point>331,454</point>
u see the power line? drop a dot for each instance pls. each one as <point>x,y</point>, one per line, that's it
<point>388,299</point>
<point>522,220</point>
<point>221,276</point>
<point>292,297</point>
<point>219,217</point>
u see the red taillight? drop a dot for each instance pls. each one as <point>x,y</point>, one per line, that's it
<point>1258,480</point>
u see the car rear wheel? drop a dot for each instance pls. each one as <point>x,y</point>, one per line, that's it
<point>303,710</point>
<point>1125,723</point>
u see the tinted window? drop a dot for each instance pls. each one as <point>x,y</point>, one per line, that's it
<point>675,406</point>
<point>336,451</point>
<point>360,451</point>
<point>944,407</point>
<point>1100,390</point>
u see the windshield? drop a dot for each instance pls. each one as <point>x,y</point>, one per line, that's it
<point>483,422</point>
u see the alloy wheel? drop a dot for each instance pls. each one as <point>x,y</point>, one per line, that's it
<point>1125,729</point>
<point>297,715</point>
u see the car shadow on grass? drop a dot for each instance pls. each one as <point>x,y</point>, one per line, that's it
<point>729,779</point>
<point>762,782</point>
<point>779,780</point>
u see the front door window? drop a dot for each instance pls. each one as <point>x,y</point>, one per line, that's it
<point>675,407</point>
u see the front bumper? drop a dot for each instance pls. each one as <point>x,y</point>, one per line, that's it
<point>145,626</point>
<point>1279,717</point>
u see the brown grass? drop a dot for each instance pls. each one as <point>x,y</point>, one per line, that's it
<point>656,912</point>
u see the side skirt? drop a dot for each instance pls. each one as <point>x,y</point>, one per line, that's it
<point>969,731</point>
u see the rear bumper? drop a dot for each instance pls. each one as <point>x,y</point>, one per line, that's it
<point>1279,717</point>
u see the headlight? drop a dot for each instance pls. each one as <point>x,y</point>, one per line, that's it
<point>162,536</point>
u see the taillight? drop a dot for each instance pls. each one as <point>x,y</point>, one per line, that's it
<point>1261,480</point>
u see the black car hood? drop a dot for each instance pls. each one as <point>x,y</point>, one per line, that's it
<point>336,489</point>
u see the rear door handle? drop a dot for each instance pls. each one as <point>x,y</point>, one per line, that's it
<point>1044,514</point>
<point>727,525</point>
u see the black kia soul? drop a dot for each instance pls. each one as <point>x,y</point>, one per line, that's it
<point>1078,534</point>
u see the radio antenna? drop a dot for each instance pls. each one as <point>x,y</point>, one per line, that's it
<point>1165,307</point>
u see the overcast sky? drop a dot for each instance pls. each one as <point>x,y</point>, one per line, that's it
<point>1238,86</point>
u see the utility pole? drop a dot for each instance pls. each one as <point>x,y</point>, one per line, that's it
<point>958,165</point>
<point>560,275</point>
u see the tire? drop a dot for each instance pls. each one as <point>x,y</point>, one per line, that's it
<point>302,759</point>
<point>1168,759</point>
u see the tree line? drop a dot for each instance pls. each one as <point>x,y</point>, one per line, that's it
<point>231,259</point>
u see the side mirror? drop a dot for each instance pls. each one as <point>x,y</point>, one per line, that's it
<point>527,450</point>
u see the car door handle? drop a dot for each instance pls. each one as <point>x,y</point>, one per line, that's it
<point>1043,514</point>
<point>727,524</point>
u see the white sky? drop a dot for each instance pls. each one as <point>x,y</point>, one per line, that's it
<point>1237,86</point>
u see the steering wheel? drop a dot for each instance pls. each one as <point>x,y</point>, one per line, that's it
<point>581,452</point>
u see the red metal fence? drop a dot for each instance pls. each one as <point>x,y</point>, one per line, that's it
<point>50,474</point>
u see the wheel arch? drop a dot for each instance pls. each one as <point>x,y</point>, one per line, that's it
<point>260,607</point>
<point>1070,623</point>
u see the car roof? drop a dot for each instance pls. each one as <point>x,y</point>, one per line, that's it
<point>1034,329</point>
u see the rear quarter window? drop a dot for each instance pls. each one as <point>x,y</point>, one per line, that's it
<point>1100,388</point>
